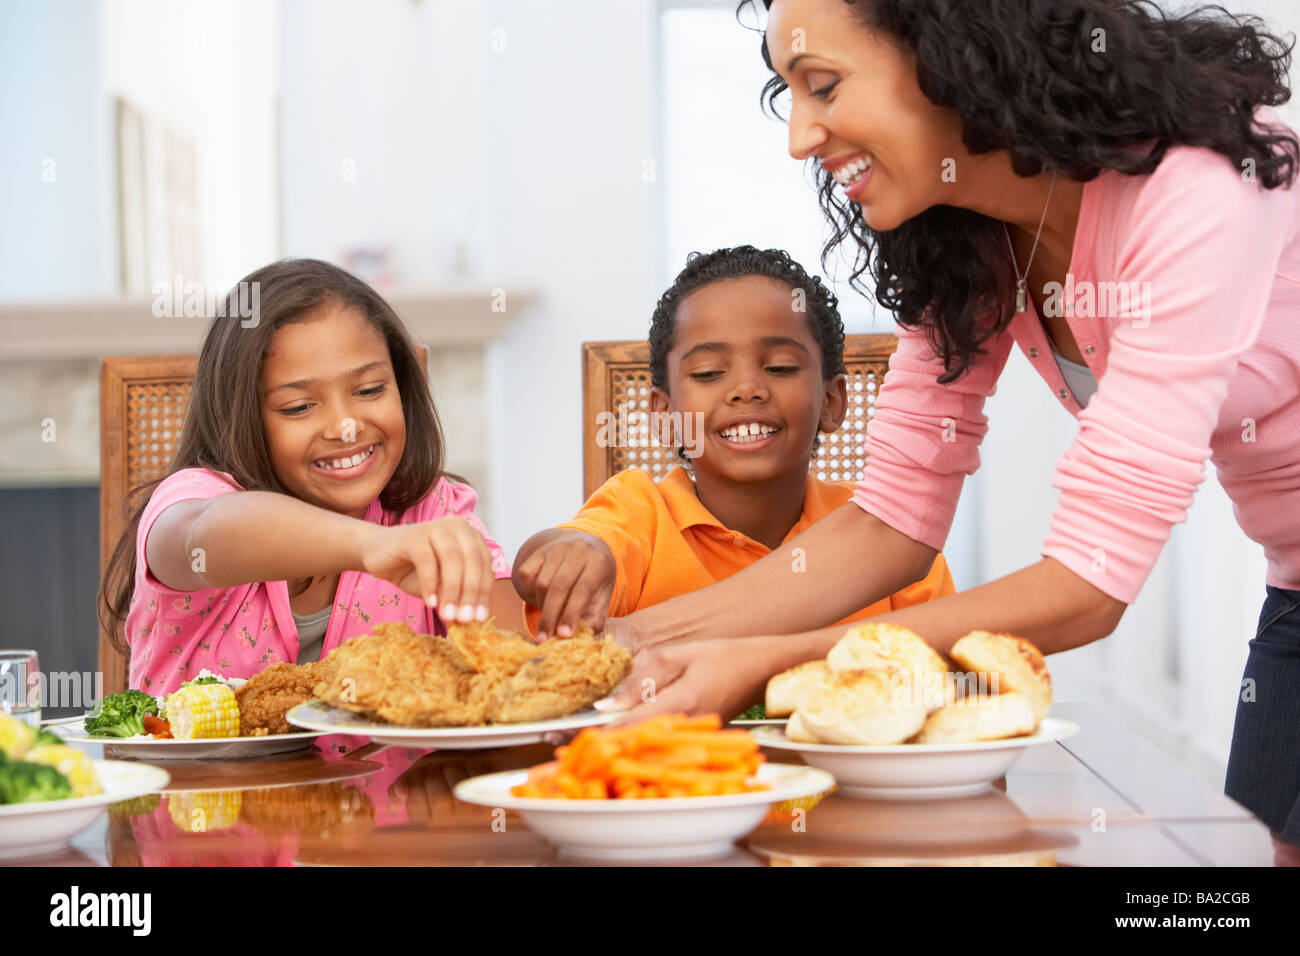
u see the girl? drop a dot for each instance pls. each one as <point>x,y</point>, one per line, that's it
<point>306,502</point>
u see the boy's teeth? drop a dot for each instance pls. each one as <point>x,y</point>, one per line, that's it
<point>748,432</point>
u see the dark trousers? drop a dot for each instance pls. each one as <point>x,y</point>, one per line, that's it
<point>1264,763</point>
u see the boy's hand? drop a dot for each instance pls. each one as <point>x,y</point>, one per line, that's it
<point>571,578</point>
<point>444,561</point>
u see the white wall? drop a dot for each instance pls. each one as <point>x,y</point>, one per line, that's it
<point>55,234</point>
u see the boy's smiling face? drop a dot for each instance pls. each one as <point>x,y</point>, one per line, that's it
<point>330,396</point>
<point>748,366</point>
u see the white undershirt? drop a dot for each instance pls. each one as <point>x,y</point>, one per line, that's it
<point>1078,377</point>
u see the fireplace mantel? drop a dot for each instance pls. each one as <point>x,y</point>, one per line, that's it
<point>61,330</point>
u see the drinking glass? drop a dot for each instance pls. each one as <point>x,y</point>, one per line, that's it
<point>20,685</point>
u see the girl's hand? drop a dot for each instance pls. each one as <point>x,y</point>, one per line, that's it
<point>571,578</point>
<point>445,560</point>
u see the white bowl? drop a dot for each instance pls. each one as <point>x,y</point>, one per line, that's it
<point>916,771</point>
<point>655,829</point>
<point>29,829</point>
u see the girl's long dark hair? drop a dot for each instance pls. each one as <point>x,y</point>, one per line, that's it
<point>1193,79</point>
<point>223,428</point>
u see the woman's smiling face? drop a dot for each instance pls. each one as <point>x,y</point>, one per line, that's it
<point>856,107</point>
<point>330,398</point>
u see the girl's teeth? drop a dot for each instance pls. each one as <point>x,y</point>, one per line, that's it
<point>748,432</point>
<point>356,459</point>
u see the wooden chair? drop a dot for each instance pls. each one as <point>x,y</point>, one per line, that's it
<point>616,386</point>
<point>142,408</point>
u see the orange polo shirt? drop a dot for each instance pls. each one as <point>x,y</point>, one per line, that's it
<point>666,543</point>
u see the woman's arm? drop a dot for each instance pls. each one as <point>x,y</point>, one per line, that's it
<point>841,564</point>
<point>1045,603</point>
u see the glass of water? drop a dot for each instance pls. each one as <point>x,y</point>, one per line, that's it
<point>20,686</point>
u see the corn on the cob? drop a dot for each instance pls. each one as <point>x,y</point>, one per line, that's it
<point>208,810</point>
<point>203,710</point>
<point>16,737</point>
<point>70,762</point>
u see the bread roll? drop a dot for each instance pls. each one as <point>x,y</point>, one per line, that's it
<point>990,717</point>
<point>857,707</point>
<point>1018,665</point>
<point>889,647</point>
<point>787,689</point>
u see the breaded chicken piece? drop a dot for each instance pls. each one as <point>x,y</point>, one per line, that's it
<point>265,699</point>
<point>476,675</point>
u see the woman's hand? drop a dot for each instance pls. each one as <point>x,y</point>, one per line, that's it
<point>445,560</point>
<point>570,577</point>
<point>725,676</point>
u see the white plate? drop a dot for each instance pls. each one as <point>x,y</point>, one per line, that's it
<point>769,722</point>
<point>211,748</point>
<point>321,717</point>
<point>916,771</point>
<point>660,828</point>
<point>28,829</point>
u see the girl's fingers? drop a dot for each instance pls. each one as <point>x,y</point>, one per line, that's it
<point>425,562</point>
<point>477,575</point>
<point>451,570</point>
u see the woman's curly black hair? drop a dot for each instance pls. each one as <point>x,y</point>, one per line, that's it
<point>704,268</point>
<point>1193,79</point>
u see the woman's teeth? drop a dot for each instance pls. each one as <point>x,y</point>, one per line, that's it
<point>751,431</point>
<point>848,175</point>
<point>333,463</point>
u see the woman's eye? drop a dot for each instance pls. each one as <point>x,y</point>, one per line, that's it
<point>297,409</point>
<point>372,391</point>
<point>825,91</point>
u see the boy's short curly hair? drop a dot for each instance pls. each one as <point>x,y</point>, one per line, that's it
<point>703,268</point>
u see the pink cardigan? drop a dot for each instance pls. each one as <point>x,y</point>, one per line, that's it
<point>1202,361</point>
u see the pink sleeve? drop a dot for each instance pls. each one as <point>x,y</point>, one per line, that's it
<point>1209,244</point>
<point>185,485</point>
<point>459,499</point>
<point>923,439</point>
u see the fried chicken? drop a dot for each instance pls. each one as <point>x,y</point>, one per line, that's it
<point>265,699</point>
<point>476,675</point>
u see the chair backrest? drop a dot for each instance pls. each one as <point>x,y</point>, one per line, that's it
<point>616,386</point>
<point>143,399</point>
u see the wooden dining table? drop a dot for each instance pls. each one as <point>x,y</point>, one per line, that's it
<point>1103,797</point>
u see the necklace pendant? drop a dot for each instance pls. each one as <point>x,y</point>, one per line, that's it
<point>1022,296</point>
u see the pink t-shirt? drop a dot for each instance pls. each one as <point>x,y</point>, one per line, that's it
<point>238,632</point>
<point>1196,354</point>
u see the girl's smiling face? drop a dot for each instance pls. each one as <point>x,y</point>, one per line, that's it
<point>748,365</point>
<point>855,101</point>
<point>331,399</point>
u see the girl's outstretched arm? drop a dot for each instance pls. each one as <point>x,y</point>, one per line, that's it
<point>246,536</point>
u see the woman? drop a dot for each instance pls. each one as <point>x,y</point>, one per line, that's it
<point>1115,172</point>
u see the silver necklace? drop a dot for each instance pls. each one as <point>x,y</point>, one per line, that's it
<point>1022,282</point>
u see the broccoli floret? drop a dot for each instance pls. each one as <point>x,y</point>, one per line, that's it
<point>202,680</point>
<point>22,782</point>
<point>46,738</point>
<point>121,715</point>
<point>757,712</point>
